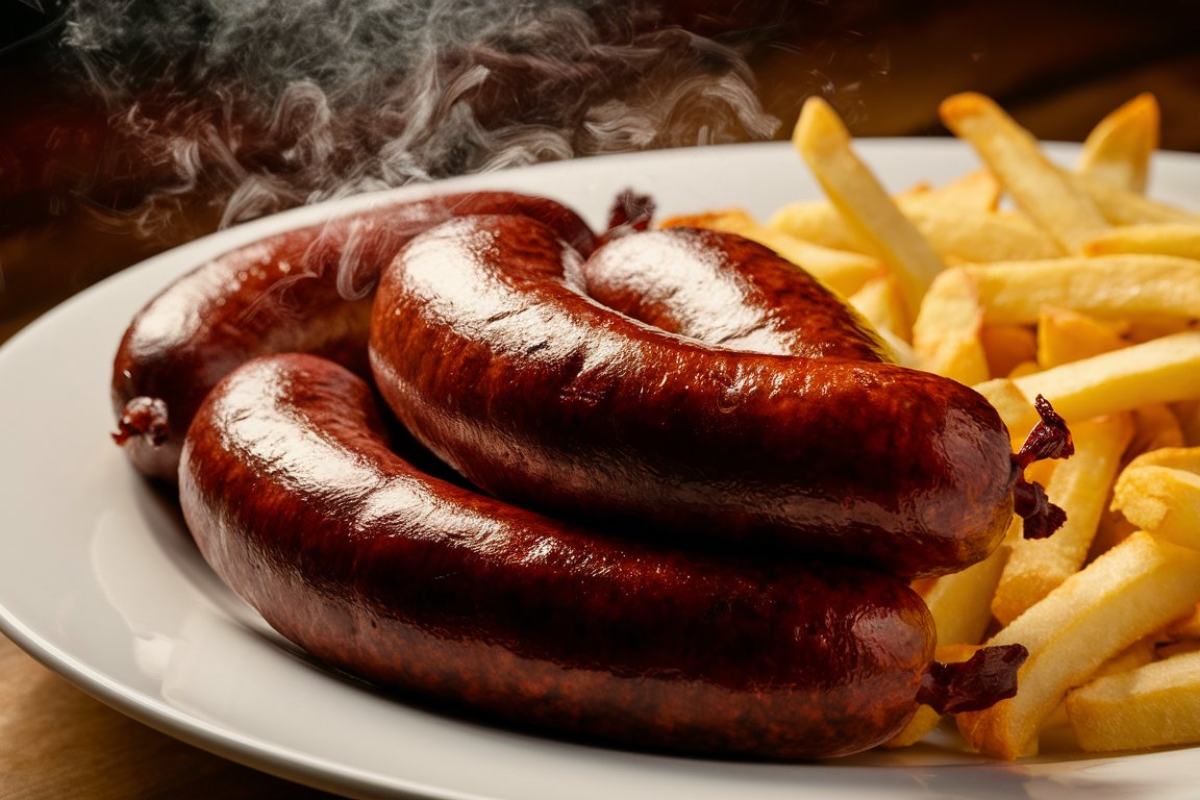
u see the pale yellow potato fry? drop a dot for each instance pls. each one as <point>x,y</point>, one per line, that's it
<point>1160,492</point>
<point>1124,287</point>
<point>824,143</point>
<point>842,271</point>
<point>978,191</point>
<point>1130,592</point>
<point>946,332</point>
<point>1163,238</point>
<point>1159,371</point>
<point>967,234</point>
<point>1186,628</point>
<point>817,221</point>
<point>1152,706</point>
<point>880,301</point>
<point>1121,207</point>
<point>1038,187</point>
<point>961,601</point>
<point>1064,336</point>
<point>1007,347</point>
<point>1119,148</point>
<point>1080,487</point>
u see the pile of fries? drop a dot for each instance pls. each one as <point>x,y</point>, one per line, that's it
<point>1027,278</point>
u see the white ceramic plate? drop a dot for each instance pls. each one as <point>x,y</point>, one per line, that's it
<point>99,580</point>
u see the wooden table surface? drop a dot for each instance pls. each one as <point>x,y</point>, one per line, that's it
<point>1059,71</point>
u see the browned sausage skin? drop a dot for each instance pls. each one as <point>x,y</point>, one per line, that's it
<point>307,290</point>
<point>300,506</point>
<point>543,397</point>
<point>729,291</point>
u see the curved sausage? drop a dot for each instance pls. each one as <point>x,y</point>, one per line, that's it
<point>297,502</point>
<point>729,291</point>
<point>485,347</point>
<point>307,290</point>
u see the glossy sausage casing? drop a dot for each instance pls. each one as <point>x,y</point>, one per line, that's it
<point>488,351</point>
<point>729,291</point>
<point>306,290</point>
<point>296,500</point>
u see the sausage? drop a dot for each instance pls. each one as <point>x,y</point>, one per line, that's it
<point>307,290</point>
<point>299,504</point>
<point>485,347</point>
<point>729,291</point>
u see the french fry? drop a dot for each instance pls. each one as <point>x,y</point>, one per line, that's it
<point>817,221</point>
<point>1154,428</point>
<point>1159,371</point>
<point>1121,207</point>
<point>842,271</point>
<point>1080,487</point>
<point>1118,149</point>
<point>966,234</point>
<point>1155,705</point>
<point>824,143</point>
<point>1163,238</point>
<point>1160,492</point>
<point>1131,591</point>
<point>946,332</point>
<point>1013,155</point>
<point>1007,347</point>
<point>879,300</point>
<point>1125,287</point>
<point>1064,336</point>
<point>976,191</point>
<point>1188,414</point>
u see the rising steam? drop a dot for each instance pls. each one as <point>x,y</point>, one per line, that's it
<point>257,106</point>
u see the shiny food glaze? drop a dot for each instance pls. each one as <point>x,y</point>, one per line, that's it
<point>488,351</point>
<point>727,290</point>
<point>307,290</point>
<point>299,504</point>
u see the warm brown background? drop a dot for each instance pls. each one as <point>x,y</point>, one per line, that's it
<point>1058,67</point>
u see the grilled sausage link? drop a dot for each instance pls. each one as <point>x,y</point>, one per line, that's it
<point>307,290</point>
<point>729,291</point>
<point>296,500</point>
<point>485,347</point>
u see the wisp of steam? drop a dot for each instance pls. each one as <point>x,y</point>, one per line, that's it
<point>258,106</point>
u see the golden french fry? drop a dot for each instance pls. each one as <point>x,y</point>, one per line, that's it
<point>1160,492</point>
<point>1064,336</point>
<point>824,143</point>
<point>946,332</point>
<point>1038,187</point>
<point>842,271</point>
<point>1007,347</point>
<point>1163,238</point>
<point>880,301</point>
<point>817,221</point>
<point>1154,705</point>
<point>1122,207</point>
<point>968,234</point>
<point>1131,591</point>
<point>1125,287</point>
<point>1080,487</point>
<point>978,191</point>
<point>1118,149</point>
<point>1159,371</point>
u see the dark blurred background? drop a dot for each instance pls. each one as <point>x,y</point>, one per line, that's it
<point>129,126</point>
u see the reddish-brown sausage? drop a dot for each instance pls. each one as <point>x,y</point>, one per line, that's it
<point>729,291</point>
<point>487,350</point>
<point>299,505</point>
<point>307,290</point>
